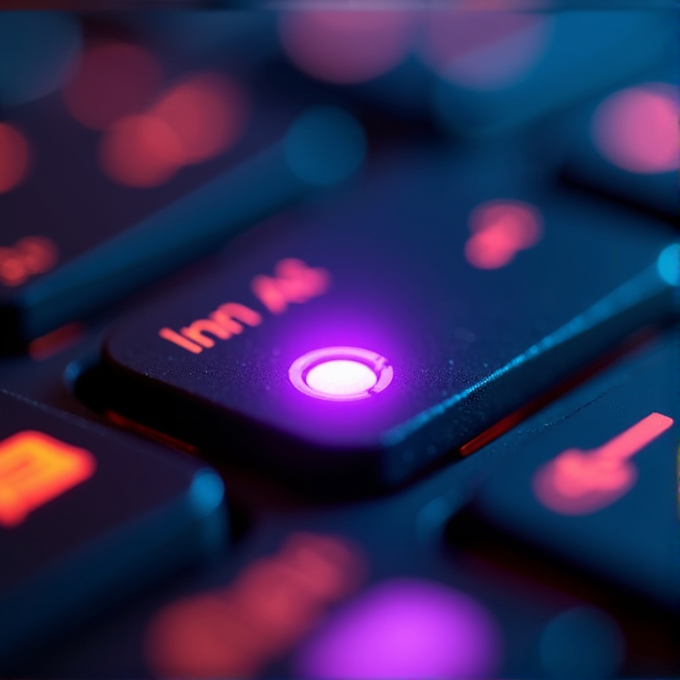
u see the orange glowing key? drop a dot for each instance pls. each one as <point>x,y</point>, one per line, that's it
<point>34,469</point>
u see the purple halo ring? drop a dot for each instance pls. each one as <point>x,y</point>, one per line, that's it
<point>341,373</point>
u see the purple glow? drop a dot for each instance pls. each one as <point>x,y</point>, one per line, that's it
<point>404,628</point>
<point>341,373</point>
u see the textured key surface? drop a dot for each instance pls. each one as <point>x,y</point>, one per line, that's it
<point>439,302</point>
<point>86,516</point>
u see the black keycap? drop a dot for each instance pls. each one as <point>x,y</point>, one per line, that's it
<point>91,242</point>
<point>87,516</point>
<point>596,484</point>
<point>399,323</point>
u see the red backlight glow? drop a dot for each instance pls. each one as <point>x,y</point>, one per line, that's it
<point>14,157</point>
<point>581,482</point>
<point>113,80</point>
<point>637,129</point>
<point>346,47</point>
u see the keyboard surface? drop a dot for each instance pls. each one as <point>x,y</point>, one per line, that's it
<point>339,344</point>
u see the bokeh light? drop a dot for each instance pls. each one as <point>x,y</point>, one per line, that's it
<point>499,230</point>
<point>237,630</point>
<point>207,112</point>
<point>191,122</point>
<point>14,157</point>
<point>485,50</point>
<point>637,128</point>
<point>113,80</point>
<point>346,47</point>
<point>37,51</point>
<point>404,628</point>
<point>141,151</point>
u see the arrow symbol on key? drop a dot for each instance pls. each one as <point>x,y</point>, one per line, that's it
<point>581,482</point>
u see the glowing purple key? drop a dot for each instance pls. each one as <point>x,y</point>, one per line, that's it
<point>341,373</point>
<point>404,628</point>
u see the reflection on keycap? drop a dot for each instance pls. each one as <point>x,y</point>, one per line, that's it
<point>113,80</point>
<point>34,469</point>
<point>273,603</point>
<point>14,157</point>
<point>499,230</point>
<point>637,128</point>
<point>346,47</point>
<point>404,628</point>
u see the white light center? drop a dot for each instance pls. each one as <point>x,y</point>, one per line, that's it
<point>341,377</point>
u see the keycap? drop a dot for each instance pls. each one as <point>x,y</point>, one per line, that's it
<point>379,333</point>
<point>624,144</point>
<point>596,487</point>
<point>105,241</point>
<point>87,517</point>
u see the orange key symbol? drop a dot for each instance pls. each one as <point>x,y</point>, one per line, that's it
<point>580,482</point>
<point>34,469</point>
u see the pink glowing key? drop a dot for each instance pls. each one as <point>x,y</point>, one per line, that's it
<point>341,373</point>
<point>580,482</point>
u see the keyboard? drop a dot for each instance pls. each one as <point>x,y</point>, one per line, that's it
<point>339,344</point>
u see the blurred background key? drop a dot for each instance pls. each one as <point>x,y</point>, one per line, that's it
<point>156,513</point>
<point>598,488</point>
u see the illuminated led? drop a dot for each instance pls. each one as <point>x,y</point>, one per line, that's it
<point>34,469</point>
<point>113,80</point>
<point>341,373</point>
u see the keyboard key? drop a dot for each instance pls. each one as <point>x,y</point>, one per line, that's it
<point>597,488</point>
<point>87,516</point>
<point>370,339</point>
<point>67,267</point>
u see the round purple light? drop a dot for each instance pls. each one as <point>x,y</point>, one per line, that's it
<point>341,373</point>
<point>404,628</point>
